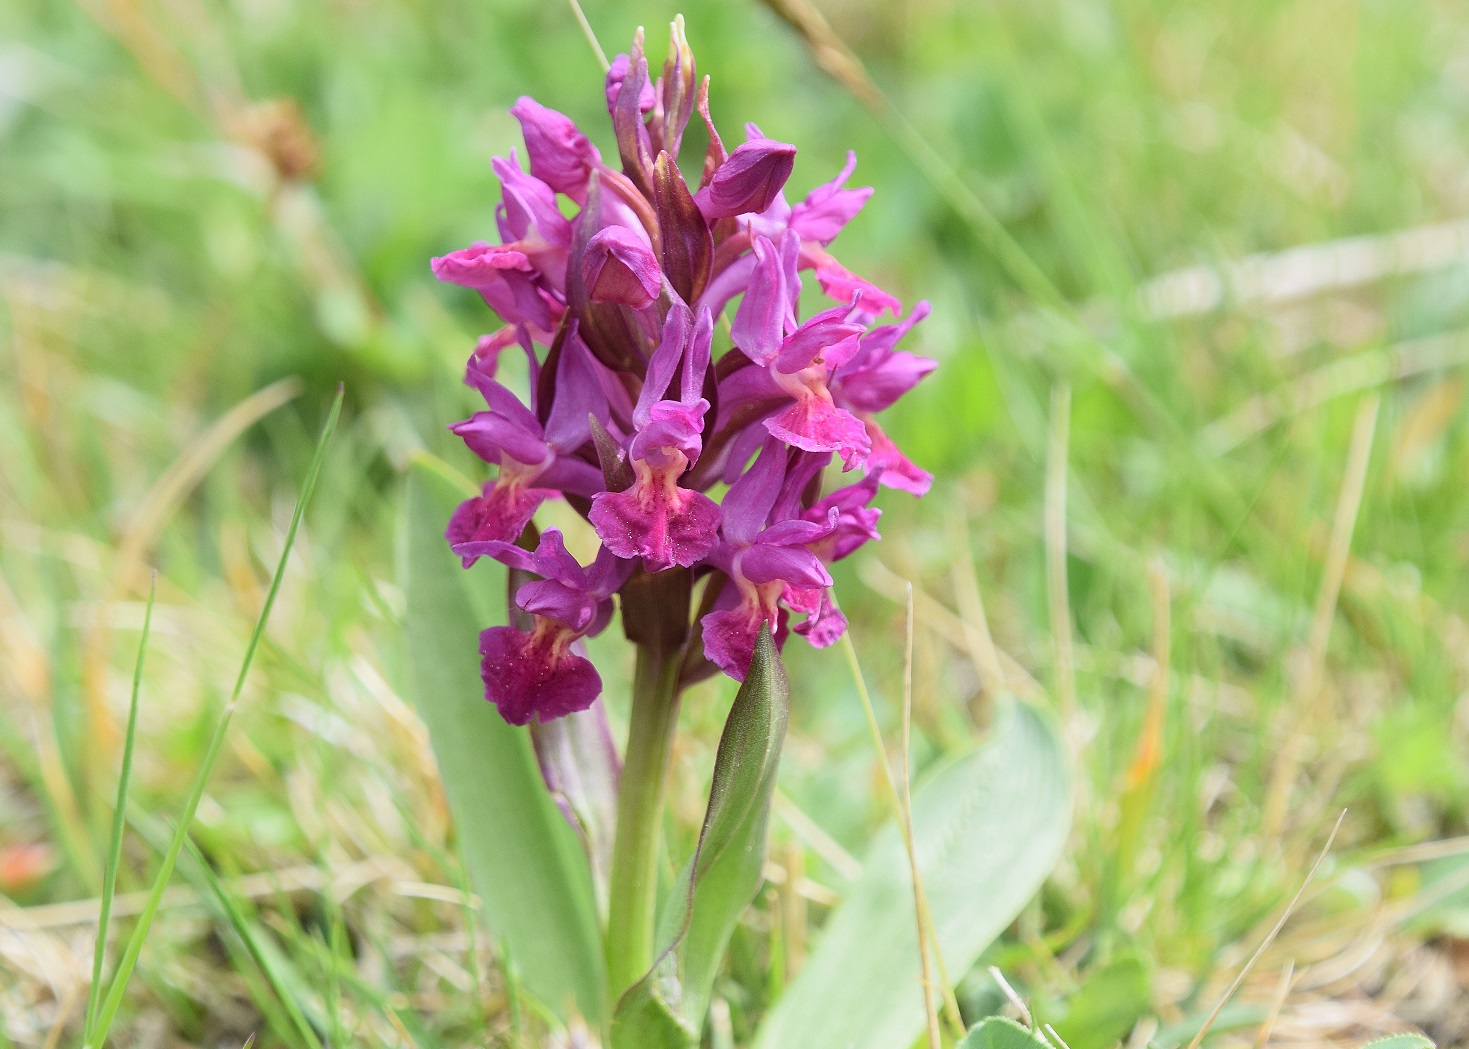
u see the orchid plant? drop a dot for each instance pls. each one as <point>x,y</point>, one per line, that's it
<point>682,404</point>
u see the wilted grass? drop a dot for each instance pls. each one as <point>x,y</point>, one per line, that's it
<point>1199,489</point>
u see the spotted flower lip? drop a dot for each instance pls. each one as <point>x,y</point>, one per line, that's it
<point>684,326</point>
<point>656,519</point>
<point>541,674</point>
<point>538,675</point>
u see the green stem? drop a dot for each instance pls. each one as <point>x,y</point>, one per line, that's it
<point>634,885</point>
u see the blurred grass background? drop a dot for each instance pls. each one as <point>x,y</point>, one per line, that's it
<point>1199,439</point>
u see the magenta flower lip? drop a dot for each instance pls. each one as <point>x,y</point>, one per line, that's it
<point>615,277</point>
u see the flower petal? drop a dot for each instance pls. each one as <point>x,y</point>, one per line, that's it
<point>479,265</point>
<point>898,471</point>
<point>494,436</point>
<point>828,335</point>
<point>560,155</point>
<point>665,360</point>
<point>663,524</point>
<point>768,308</point>
<point>749,500</point>
<point>815,424</point>
<point>767,563</point>
<point>499,514</point>
<point>535,676</point>
<point>577,395</point>
<point>620,268</point>
<point>570,606</point>
<point>530,205</point>
<point>621,67</point>
<point>824,623</point>
<point>877,388</point>
<point>829,207</point>
<point>671,426</point>
<point>729,638</point>
<point>843,285</point>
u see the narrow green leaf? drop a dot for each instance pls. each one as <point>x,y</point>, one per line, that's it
<point>999,1032</point>
<point>666,1008</point>
<point>157,834</point>
<point>125,966</point>
<point>1235,1016</point>
<point>988,827</point>
<point>278,972</point>
<point>524,859</point>
<point>119,821</point>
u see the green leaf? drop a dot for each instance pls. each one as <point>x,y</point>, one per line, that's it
<point>1111,1001</point>
<point>280,974</point>
<point>119,819</point>
<point>524,858</point>
<point>1401,1041</point>
<point>988,827</point>
<point>666,1008</point>
<point>644,1020</point>
<point>107,1011</point>
<point>998,1032</point>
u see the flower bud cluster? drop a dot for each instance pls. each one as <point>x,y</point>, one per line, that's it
<point>634,419</point>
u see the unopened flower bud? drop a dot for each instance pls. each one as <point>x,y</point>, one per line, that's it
<point>749,180</point>
<point>560,155</point>
<point>620,267</point>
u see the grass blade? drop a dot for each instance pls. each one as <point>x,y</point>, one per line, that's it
<point>119,819</point>
<point>257,949</point>
<point>211,755</point>
<point>157,834</point>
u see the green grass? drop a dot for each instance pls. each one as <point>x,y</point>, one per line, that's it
<point>153,275</point>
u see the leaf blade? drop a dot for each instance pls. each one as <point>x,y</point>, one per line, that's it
<point>1000,1032</point>
<point>107,1012</point>
<point>119,821</point>
<point>666,1008</point>
<point>523,857</point>
<point>857,989</point>
<point>1401,1041</point>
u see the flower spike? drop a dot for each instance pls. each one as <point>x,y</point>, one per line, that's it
<point>616,278</point>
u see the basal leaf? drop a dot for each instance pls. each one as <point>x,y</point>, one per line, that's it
<point>988,827</point>
<point>665,1010</point>
<point>645,1020</point>
<point>998,1032</point>
<point>524,859</point>
<point>1109,1003</point>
